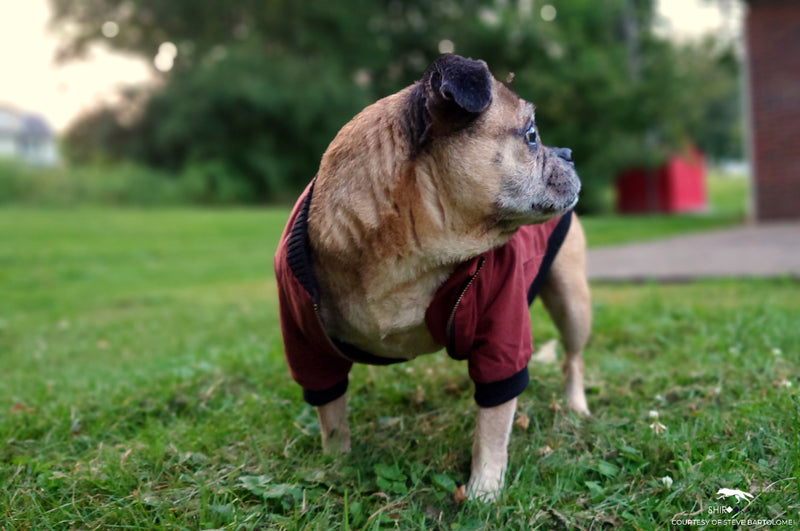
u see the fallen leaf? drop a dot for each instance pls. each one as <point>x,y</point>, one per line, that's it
<point>522,421</point>
<point>554,406</point>
<point>460,494</point>
<point>544,451</point>
<point>19,407</point>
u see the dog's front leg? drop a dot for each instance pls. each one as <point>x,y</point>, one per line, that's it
<point>490,450</point>
<point>334,426</point>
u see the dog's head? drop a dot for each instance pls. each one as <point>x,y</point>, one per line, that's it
<point>482,140</point>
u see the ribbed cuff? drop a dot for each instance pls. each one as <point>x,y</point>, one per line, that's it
<point>320,398</point>
<point>495,393</point>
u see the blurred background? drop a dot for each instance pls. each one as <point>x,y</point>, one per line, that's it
<point>209,102</point>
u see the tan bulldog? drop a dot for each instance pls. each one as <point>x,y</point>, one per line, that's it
<point>435,218</point>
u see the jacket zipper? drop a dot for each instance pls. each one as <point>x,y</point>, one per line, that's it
<point>451,318</point>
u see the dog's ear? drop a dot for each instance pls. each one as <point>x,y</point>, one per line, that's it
<point>455,84</point>
<point>450,95</point>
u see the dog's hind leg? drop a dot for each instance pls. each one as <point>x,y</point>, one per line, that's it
<point>334,426</point>
<point>566,297</point>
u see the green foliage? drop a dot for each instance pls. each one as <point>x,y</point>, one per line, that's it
<point>120,184</point>
<point>245,127</point>
<point>710,74</point>
<point>143,386</point>
<point>258,90</point>
<point>268,129</point>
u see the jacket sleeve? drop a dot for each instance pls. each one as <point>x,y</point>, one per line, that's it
<point>501,345</point>
<point>313,363</point>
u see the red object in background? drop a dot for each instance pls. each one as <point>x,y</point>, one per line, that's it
<point>677,186</point>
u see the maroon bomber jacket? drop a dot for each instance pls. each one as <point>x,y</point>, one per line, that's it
<point>480,314</point>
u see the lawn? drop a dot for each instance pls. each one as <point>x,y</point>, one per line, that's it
<point>142,386</point>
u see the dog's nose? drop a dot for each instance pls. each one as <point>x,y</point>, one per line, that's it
<point>564,153</point>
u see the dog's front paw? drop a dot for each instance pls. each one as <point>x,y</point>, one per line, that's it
<point>336,441</point>
<point>485,486</point>
<point>334,427</point>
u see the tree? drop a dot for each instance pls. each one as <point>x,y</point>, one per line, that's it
<point>258,88</point>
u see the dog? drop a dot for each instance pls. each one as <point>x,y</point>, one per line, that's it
<point>436,217</point>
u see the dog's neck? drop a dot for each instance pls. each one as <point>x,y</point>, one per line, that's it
<point>378,204</point>
<point>395,228</point>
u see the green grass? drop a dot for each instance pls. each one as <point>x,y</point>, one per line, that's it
<point>142,386</point>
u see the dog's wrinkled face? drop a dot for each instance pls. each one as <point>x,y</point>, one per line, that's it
<point>486,146</point>
<point>539,182</point>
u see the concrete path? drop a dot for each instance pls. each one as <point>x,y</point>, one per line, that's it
<point>765,250</point>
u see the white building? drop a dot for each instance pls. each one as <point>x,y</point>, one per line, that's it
<point>26,136</point>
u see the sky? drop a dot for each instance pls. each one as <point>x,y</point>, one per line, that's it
<point>30,80</point>
<point>33,82</point>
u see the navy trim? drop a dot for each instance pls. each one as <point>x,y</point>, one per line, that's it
<point>353,353</point>
<point>320,398</point>
<point>495,393</point>
<point>297,256</point>
<point>554,242</point>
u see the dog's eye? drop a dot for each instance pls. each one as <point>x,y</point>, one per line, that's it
<point>530,136</point>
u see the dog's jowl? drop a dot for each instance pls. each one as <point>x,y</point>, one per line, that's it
<point>436,217</point>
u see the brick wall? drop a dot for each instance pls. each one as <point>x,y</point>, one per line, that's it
<point>773,35</point>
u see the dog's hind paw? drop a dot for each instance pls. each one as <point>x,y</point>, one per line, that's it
<point>577,403</point>
<point>484,488</point>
